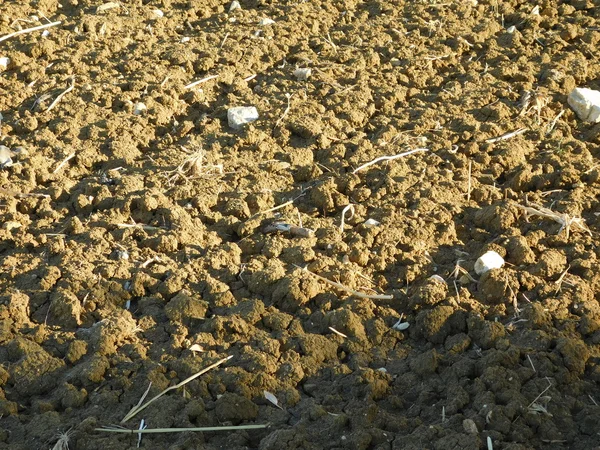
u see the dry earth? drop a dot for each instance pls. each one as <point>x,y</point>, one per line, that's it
<point>128,238</point>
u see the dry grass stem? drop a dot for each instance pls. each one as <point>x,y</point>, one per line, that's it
<point>275,208</point>
<point>469,182</point>
<point>338,332</point>
<point>141,226</point>
<point>286,111</point>
<point>63,441</point>
<point>537,407</point>
<point>62,94</point>
<point>11,193</point>
<point>552,124</point>
<point>350,208</point>
<point>203,80</point>
<point>347,289</point>
<point>179,430</point>
<point>64,162</point>
<point>562,280</point>
<point>566,221</point>
<point>137,408</point>
<point>29,30</point>
<point>193,167</point>
<point>506,136</point>
<point>389,158</point>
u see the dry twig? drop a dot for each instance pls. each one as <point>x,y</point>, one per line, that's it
<point>345,288</point>
<point>29,30</point>
<point>566,221</point>
<point>62,94</point>
<point>389,158</point>
<point>137,408</point>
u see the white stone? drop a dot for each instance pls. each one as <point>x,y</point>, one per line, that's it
<point>5,157</point>
<point>488,261</point>
<point>370,223</point>
<point>158,13</point>
<point>234,5</point>
<point>266,21</point>
<point>139,108</point>
<point>302,73</point>
<point>238,116</point>
<point>4,62</point>
<point>586,103</point>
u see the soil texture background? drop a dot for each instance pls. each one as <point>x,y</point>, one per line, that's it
<point>143,238</point>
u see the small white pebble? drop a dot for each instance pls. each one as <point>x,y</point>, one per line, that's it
<point>158,13</point>
<point>302,73</point>
<point>139,108</point>
<point>4,62</point>
<point>234,5</point>
<point>488,261</point>
<point>238,116</point>
<point>266,21</point>
<point>371,223</point>
<point>511,29</point>
<point>184,39</point>
<point>586,103</point>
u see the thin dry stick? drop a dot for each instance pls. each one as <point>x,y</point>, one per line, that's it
<point>553,123</point>
<point>565,220</point>
<point>64,162</point>
<point>541,393</point>
<point>29,30</point>
<point>136,409</point>
<point>283,205</point>
<point>180,430</point>
<point>287,110</point>
<point>350,208</point>
<point>469,185</point>
<point>141,226</point>
<point>203,80</point>
<point>506,136</point>
<point>389,158</point>
<point>62,94</point>
<point>347,289</point>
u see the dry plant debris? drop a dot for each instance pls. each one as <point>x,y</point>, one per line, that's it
<point>193,167</point>
<point>567,222</point>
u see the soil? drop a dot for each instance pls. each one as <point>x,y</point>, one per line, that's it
<point>131,234</point>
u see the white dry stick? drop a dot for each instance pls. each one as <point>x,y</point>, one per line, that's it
<point>389,158</point>
<point>339,333</point>
<point>64,162</point>
<point>29,30</point>
<point>469,185</point>
<point>554,122</point>
<point>203,80</point>
<point>347,289</point>
<point>142,426</point>
<point>350,208</point>
<point>139,407</point>
<point>62,94</point>
<point>506,136</point>
<point>250,78</point>
<point>287,110</point>
<point>271,398</point>
<point>107,6</point>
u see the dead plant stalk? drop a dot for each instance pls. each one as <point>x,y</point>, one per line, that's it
<point>29,30</point>
<point>389,158</point>
<point>139,407</point>
<point>345,288</point>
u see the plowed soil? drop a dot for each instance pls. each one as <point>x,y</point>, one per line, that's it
<point>141,236</point>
